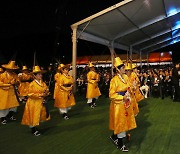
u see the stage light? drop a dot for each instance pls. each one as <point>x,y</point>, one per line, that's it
<point>175,40</point>
<point>175,32</point>
<point>172,11</point>
<point>177,25</point>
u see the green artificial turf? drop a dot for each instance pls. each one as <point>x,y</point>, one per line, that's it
<point>86,132</point>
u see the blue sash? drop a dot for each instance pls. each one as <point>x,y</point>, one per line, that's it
<point>121,93</point>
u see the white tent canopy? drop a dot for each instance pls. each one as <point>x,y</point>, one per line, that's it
<point>139,25</point>
<point>145,25</point>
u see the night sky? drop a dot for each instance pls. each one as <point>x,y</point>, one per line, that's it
<point>43,26</point>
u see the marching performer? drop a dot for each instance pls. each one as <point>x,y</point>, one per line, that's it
<point>136,84</point>
<point>64,98</point>
<point>25,78</point>
<point>35,108</point>
<point>93,91</point>
<point>56,78</point>
<point>121,114</point>
<point>8,94</point>
<point>128,68</point>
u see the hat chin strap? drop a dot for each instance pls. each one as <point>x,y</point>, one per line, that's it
<point>120,74</point>
<point>118,70</point>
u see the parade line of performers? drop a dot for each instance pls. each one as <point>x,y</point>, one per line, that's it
<point>29,88</point>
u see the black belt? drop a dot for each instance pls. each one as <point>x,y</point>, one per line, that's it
<point>67,85</point>
<point>26,81</point>
<point>122,93</point>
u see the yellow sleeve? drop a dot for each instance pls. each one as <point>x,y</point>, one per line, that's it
<point>113,93</point>
<point>89,78</point>
<point>2,83</point>
<point>60,83</point>
<point>31,91</point>
<point>136,79</point>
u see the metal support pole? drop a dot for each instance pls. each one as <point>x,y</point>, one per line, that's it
<point>74,55</point>
<point>131,52</point>
<point>148,60</point>
<point>141,60</point>
<point>111,48</point>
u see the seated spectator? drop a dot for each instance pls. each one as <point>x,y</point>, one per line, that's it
<point>145,88</point>
<point>141,79</point>
<point>156,86</point>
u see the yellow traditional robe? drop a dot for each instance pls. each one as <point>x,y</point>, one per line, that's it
<point>133,98</point>
<point>34,111</point>
<point>24,84</point>
<point>121,118</point>
<point>7,94</point>
<point>137,92</point>
<point>92,86</point>
<point>64,96</point>
<point>56,78</point>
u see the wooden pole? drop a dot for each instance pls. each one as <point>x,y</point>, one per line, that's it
<point>74,55</point>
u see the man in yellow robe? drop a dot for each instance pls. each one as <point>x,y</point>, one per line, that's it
<point>56,78</point>
<point>64,98</point>
<point>121,113</point>
<point>35,109</point>
<point>25,78</point>
<point>93,91</point>
<point>8,98</point>
<point>136,81</point>
<point>128,68</point>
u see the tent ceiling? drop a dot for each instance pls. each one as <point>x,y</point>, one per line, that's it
<point>144,25</point>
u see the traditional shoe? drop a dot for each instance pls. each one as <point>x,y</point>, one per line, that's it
<point>123,148</point>
<point>12,118</point>
<point>94,104</point>
<point>114,139</point>
<point>4,122</point>
<point>66,117</point>
<point>37,133</point>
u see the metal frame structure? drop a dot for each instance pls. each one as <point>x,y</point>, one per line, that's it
<point>139,26</point>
